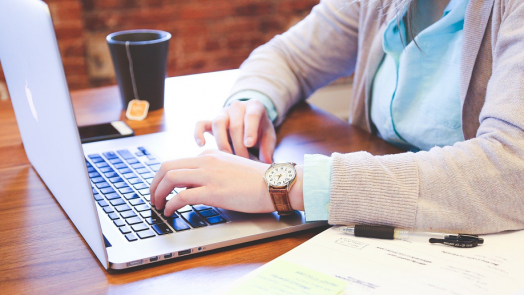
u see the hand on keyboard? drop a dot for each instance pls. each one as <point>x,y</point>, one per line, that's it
<point>218,179</point>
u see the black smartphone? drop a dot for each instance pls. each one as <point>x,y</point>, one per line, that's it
<point>111,130</point>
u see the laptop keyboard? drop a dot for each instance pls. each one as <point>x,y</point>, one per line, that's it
<point>120,181</point>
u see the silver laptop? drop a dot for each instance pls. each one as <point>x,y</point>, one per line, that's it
<point>103,186</point>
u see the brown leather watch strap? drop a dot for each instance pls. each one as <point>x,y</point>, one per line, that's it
<point>280,198</point>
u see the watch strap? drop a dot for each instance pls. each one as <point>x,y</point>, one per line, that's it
<point>280,198</point>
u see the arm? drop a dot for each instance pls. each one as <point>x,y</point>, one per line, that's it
<point>290,67</point>
<point>473,186</point>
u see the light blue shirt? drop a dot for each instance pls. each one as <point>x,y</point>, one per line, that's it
<point>415,96</point>
<point>418,109</point>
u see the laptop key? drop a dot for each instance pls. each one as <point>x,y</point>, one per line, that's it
<point>115,161</point>
<point>102,164</point>
<point>131,237</point>
<point>178,224</point>
<point>154,219</point>
<point>102,184</point>
<point>112,196</point>
<point>128,214</point>
<point>98,197</point>
<point>207,213</point>
<point>91,169</point>
<point>140,186</point>
<point>111,174</point>
<point>108,209</point>
<point>131,196</point>
<point>194,219</point>
<point>113,216</point>
<point>216,219</point>
<point>142,171</point>
<point>115,179</point>
<point>97,160</point>
<point>132,161</point>
<point>133,220</point>
<point>125,170</point>
<point>162,229</point>
<point>122,208</point>
<point>136,202</point>
<point>103,203</point>
<point>120,166</point>
<point>93,156</point>
<point>94,174</point>
<point>144,192</point>
<point>186,208</point>
<point>139,227</point>
<point>147,214</point>
<point>119,222</point>
<point>135,181</point>
<point>110,155</point>
<point>130,175</point>
<point>201,207</point>
<point>137,166</point>
<point>106,169</point>
<point>125,154</point>
<point>148,175</point>
<point>155,167</point>
<point>117,202</point>
<point>146,234</point>
<point>152,162</point>
<point>126,190</point>
<point>98,179</point>
<point>139,154</point>
<point>121,185</point>
<point>125,229</point>
<point>149,180</point>
<point>107,190</point>
<point>144,207</point>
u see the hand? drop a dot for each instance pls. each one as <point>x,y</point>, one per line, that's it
<point>220,180</point>
<point>247,124</point>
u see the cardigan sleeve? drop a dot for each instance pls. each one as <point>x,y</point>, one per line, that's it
<point>311,54</point>
<point>475,186</point>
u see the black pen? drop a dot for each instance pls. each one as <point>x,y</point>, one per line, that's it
<point>391,233</point>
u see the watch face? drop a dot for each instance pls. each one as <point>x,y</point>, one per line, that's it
<point>280,174</point>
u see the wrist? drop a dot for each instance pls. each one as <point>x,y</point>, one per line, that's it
<point>296,197</point>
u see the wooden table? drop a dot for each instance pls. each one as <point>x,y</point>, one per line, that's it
<point>41,251</point>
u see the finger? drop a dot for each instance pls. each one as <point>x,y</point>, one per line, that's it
<point>219,128</point>
<point>267,143</point>
<point>192,196</point>
<point>200,128</point>
<point>236,130</point>
<point>176,178</point>
<point>185,163</point>
<point>252,118</point>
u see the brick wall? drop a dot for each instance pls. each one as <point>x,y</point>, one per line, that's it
<point>208,35</point>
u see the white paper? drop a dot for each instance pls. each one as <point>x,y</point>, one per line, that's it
<point>414,266</point>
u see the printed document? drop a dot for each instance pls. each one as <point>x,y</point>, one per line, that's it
<point>413,266</point>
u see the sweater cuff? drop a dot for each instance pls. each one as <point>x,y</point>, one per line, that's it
<point>317,187</point>
<point>253,94</point>
<point>367,189</point>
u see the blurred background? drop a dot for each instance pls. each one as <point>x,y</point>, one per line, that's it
<point>207,35</point>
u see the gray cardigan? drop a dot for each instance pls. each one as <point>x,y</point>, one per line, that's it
<point>475,186</point>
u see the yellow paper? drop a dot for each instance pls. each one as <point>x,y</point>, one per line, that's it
<point>281,277</point>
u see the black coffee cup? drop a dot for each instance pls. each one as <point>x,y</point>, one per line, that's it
<point>140,60</point>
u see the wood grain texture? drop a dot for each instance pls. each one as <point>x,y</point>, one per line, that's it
<point>41,251</point>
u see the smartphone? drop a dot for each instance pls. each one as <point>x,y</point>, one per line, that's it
<point>111,130</point>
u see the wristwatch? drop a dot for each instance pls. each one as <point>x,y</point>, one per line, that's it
<point>279,178</point>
